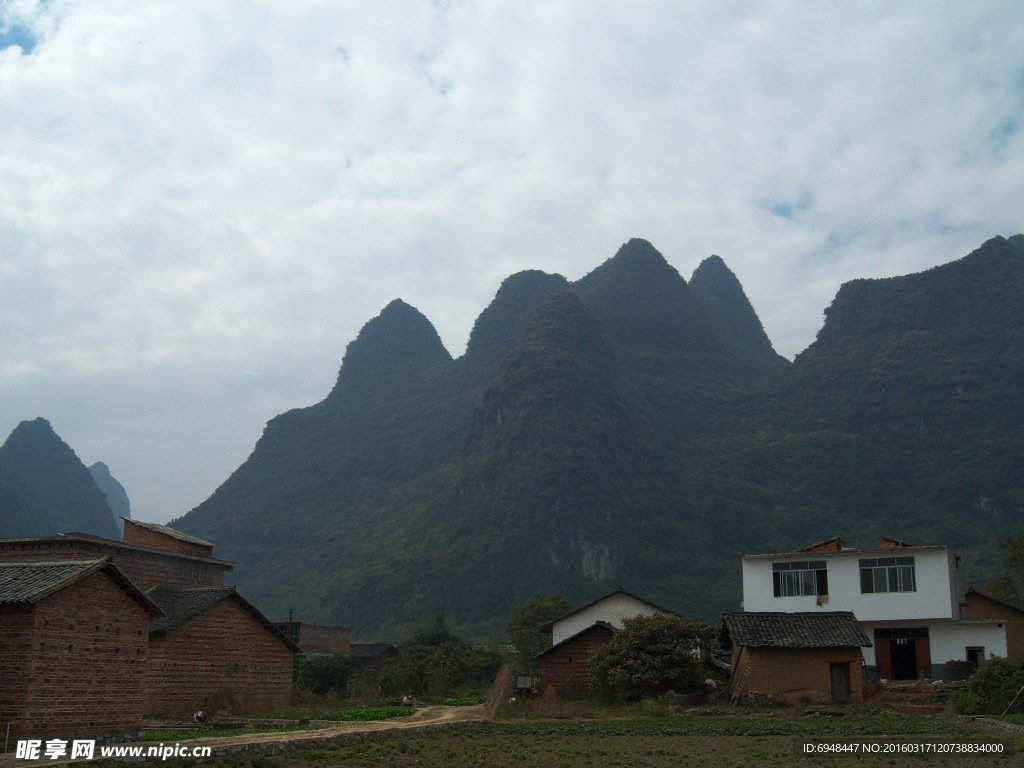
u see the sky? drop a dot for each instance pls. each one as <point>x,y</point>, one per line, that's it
<point>201,203</point>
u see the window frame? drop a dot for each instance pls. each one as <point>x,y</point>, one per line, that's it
<point>883,575</point>
<point>800,578</point>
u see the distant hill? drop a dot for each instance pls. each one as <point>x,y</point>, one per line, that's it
<point>45,489</point>
<point>632,429</point>
<point>113,491</point>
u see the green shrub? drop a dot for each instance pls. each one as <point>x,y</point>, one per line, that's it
<point>321,674</point>
<point>991,689</point>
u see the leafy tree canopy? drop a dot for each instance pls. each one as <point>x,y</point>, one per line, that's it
<point>433,632</point>
<point>652,654</point>
<point>1009,584</point>
<point>523,626</point>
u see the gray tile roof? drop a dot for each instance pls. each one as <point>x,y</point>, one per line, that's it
<point>604,625</point>
<point>180,605</point>
<point>29,582</point>
<point>368,651</point>
<point>832,629</point>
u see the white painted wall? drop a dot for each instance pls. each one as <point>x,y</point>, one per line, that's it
<point>612,609</point>
<point>948,640</point>
<point>937,596</point>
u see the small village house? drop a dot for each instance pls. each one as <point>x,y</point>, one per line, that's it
<point>317,639</point>
<point>211,650</point>
<point>74,635</point>
<point>374,656</point>
<point>908,599</point>
<point>563,666</point>
<point>796,657</point>
<point>223,648</point>
<point>982,607</point>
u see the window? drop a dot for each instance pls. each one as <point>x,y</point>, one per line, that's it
<point>800,578</point>
<point>888,574</point>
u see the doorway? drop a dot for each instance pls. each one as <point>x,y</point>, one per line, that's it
<point>903,654</point>
<point>839,673</point>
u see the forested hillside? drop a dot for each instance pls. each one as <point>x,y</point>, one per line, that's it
<point>631,429</point>
<point>45,489</point>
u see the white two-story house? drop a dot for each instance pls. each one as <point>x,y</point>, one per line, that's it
<point>908,598</point>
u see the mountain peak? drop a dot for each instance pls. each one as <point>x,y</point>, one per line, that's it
<point>68,497</point>
<point>392,347</point>
<point>117,497</point>
<point>500,325</point>
<point>645,304</point>
<point>720,294</point>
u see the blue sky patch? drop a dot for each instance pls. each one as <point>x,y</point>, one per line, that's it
<point>17,35</point>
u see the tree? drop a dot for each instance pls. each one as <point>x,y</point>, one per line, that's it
<point>1009,585</point>
<point>321,674</point>
<point>651,654</point>
<point>433,631</point>
<point>992,688</point>
<point>524,625</point>
<point>434,660</point>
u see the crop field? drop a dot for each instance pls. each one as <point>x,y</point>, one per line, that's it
<point>720,742</point>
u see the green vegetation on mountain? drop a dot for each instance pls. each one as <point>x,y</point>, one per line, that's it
<point>45,489</point>
<point>632,429</point>
<point>113,491</point>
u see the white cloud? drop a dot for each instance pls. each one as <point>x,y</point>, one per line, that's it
<point>201,204</point>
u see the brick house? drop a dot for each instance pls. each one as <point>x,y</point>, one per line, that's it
<point>226,635</point>
<point>796,657</point>
<point>982,607</point>
<point>317,639</point>
<point>563,667</point>
<point>211,649</point>
<point>612,609</point>
<point>74,636</point>
<point>151,555</point>
<point>908,598</point>
<point>374,655</point>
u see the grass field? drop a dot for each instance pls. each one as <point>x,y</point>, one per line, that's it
<point>701,742</point>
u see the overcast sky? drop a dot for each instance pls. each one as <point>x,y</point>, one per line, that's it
<point>201,203</point>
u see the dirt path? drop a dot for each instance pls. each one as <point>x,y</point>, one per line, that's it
<point>427,719</point>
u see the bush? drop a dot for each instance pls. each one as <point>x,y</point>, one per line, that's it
<point>320,674</point>
<point>991,689</point>
<point>651,655</point>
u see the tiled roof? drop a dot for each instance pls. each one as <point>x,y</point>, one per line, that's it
<point>172,532</point>
<point>29,582</point>
<point>32,581</point>
<point>596,625</point>
<point>369,650</point>
<point>833,629</point>
<point>180,605</point>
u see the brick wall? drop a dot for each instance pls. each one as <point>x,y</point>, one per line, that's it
<point>139,536</point>
<point>74,663</point>
<point>796,675</point>
<point>146,569</point>
<point>981,608</point>
<point>222,655</point>
<point>314,638</point>
<point>564,669</point>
